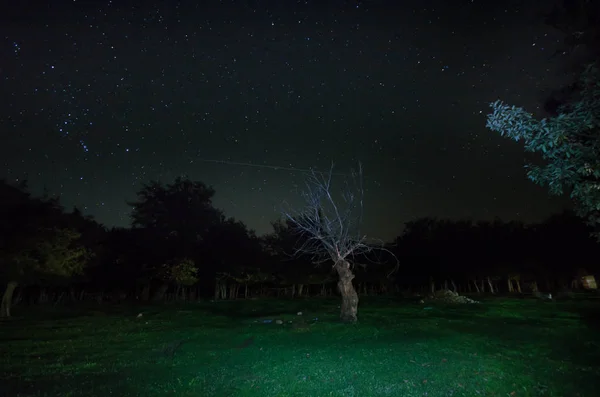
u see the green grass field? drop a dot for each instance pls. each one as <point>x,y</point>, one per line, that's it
<point>501,347</point>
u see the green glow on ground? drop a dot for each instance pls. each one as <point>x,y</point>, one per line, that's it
<point>502,347</point>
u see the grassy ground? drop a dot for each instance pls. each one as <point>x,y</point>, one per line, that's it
<point>502,347</point>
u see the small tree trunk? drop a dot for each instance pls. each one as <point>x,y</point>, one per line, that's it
<point>43,296</point>
<point>518,286</point>
<point>59,299</point>
<point>233,291</point>
<point>18,297</point>
<point>489,280</point>
<point>145,295</point>
<point>349,307</point>
<point>72,295</point>
<point>159,294</point>
<point>7,299</point>
<point>510,286</point>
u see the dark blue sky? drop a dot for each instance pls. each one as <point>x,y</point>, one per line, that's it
<point>100,97</point>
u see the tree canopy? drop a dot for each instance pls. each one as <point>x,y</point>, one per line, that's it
<point>569,143</point>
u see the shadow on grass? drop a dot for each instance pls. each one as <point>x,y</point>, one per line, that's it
<point>590,316</point>
<point>84,384</point>
<point>245,309</point>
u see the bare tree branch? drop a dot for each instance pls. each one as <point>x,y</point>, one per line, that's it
<point>329,229</point>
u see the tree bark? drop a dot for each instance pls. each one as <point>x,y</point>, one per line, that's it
<point>7,299</point>
<point>349,307</point>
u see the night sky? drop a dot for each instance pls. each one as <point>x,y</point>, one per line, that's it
<point>97,98</point>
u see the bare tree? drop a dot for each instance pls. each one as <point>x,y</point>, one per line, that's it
<point>329,229</point>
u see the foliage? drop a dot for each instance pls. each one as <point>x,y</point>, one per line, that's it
<point>569,143</point>
<point>37,239</point>
<point>49,253</point>
<point>230,244</point>
<point>182,210</point>
<point>579,21</point>
<point>183,272</point>
<point>181,221</point>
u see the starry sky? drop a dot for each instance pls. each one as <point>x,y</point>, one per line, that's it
<point>99,97</point>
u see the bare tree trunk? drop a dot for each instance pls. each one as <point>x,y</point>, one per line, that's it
<point>43,296</point>
<point>489,280</point>
<point>159,294</point>
<point>519,287</point>
<point>453,285</point>
<point>510,286</point>
<point>17,298</point>
<point>72,295</point>
<point>59,299</point>
<point>349,307</point>
<point>300,289</point>
<point>145,295</point>
<point>7,299</point>
<point>233,291</point>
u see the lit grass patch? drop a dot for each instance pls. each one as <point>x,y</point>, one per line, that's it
<point>501,347</point>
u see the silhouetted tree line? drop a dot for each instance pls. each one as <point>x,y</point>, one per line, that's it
<point>496,256</point>
<point>180,247</point>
